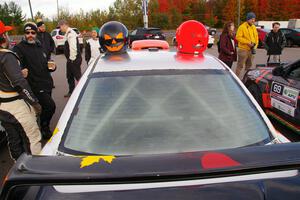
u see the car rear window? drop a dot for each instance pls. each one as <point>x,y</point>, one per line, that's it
<point>154,31</point>
<point>154,113</point>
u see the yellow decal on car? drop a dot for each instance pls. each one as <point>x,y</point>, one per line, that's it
<point>54,133</point>
<point>90,160</point>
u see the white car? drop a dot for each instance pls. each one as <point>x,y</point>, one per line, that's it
<point>59,39</point>
<point>159,102</point>
<point>211,41</point>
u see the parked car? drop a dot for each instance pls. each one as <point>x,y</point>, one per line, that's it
<point>294,23</point>
<point>256,172</point>
<point>59,39</point>
<point>159,125</point>
<point>262,33</point>
<point>211,41</point>
<point>292,36</point>
<point>276,88</point>
<point>146,33</point>
<point>211,31</point>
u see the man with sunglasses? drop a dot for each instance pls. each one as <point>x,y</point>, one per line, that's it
<point>34,63</point>
<point>73,55</point>
<point>18,105</point>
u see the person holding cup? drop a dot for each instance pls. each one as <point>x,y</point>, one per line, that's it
<point>36,69</point>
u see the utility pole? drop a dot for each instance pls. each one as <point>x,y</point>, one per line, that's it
<point>239,12</point>
<point>145,12</point>
<point>30,10</point>
<point>57,10</point>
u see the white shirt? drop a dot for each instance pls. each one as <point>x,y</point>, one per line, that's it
<point>95,51</point>
<point>71,38</point>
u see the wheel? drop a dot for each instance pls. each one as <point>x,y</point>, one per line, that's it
<point>289,43</point>
<point>209,45</point>
<point>256,93</point>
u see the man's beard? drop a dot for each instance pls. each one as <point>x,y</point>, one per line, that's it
<point>32,41</point>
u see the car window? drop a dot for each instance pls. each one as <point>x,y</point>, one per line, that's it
<point>133,32</point>
<point>295,73</point>
<point>154,31</point>
<point>171,113</point>
<point>140,31</point>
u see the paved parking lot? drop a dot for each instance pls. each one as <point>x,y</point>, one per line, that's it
<point>289,54</point>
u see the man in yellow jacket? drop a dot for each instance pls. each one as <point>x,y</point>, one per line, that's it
<point>247,38</point>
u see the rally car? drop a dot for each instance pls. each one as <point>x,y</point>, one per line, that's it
<point>156,124</point>
<point>153,101</point>
<point>276,88</point>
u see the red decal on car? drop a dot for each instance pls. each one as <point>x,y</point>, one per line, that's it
<point>261,76</point>
<point>217,160</point>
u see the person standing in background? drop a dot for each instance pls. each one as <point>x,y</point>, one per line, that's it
<point>73,55</point>
<point>227,45</point>
<point>274,43</point>
<point>92,47</point>
<point>45,38</point>
<point>247,38</point>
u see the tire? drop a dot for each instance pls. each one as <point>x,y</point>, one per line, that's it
<point>289,43</point>
<point>209,45</point>
<point>256,93</point>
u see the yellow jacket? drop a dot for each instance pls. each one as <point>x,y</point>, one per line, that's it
<point>245,35</point>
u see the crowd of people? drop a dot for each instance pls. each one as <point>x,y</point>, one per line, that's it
<point>26,84</point>
<point>246,39</point>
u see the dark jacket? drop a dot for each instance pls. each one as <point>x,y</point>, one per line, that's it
<point>274,43</point>
<point>47,43</point>
<point>33,57</point>
<point>88,53</point>
<point>11,78</point>
<point>227,50</point>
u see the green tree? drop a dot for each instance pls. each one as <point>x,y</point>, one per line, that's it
<point>11,14</point>
<point>38,16</point>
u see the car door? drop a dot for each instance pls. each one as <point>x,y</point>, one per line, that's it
<point>285,93</point>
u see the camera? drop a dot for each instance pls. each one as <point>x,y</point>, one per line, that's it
<point>253,49</point>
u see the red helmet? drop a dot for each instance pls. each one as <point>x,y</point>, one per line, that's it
<point>192,37</point>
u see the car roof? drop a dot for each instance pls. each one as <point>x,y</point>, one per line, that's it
<point>149,28</point>
<point>143,60</point>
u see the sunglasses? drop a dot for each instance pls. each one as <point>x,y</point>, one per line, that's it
<point>30,32</point>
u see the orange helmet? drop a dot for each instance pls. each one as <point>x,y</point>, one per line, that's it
<point>192,37</point>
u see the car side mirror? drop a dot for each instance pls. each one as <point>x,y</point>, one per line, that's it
<point>278,71</point>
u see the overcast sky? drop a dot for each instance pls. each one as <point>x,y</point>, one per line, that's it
<point>49,9</point>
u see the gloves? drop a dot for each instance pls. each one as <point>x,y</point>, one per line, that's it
<point>37,108</point>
